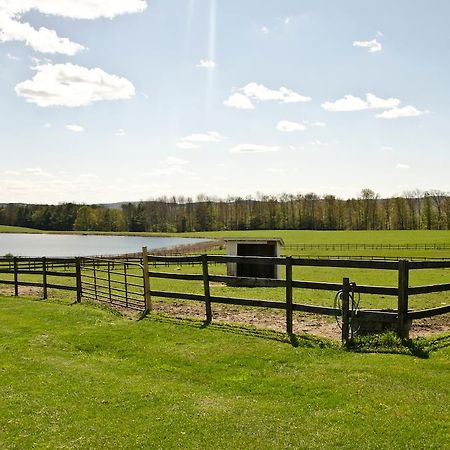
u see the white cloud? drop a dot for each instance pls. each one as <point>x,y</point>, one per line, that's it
<point>348,103</point>
<point>72,85</point>
<point>287,20</point>
<point>319,124</point>
<point>75,9</point>
<point>239,101</point>
<point>318,143</point>
<point>75,128</point>
<point>120,132</point>
<point>206,64</point>
<point>265,30</point>
<point>287,126</point>
<point>375,102</point>
<point>386,148</point>
<point>42,40</point>
<point>352,103</point>
<point>402,166</point>
<point>47,125</point>
<point>373,46</point>
<point>396,113</point>
<point>262,93</point>
<point>47,41</point>
<point>210,136</point>
<point>252,148</point>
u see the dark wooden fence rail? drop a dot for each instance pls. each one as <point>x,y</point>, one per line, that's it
<point>402,291</point>
<point>112,281</point>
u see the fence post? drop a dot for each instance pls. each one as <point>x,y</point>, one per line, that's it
<point>206,288</point>
<point>78,279</point>
<point>147,297</point>
<point>403,286</point>
<point>44,277</point>
<point>345,310</point>
<point>16,278</point>
<point>289,310</point>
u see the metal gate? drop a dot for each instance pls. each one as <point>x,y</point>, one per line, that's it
<point>114,282</point>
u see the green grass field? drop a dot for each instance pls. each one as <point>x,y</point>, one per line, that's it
<point>83,377</point>
<point>8,229</point>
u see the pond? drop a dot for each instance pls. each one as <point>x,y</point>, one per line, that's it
<point>59,245</point>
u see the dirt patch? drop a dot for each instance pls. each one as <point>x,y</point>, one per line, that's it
<point>430,326</point>
<point>262,318</point>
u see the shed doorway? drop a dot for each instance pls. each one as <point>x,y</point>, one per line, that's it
<point>256,270</point>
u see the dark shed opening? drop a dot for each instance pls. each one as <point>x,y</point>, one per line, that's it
<point>256,270</point>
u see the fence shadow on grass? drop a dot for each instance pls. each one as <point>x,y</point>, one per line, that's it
<point>296,340</point>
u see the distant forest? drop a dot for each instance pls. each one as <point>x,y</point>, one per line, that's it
<point>410,211</point>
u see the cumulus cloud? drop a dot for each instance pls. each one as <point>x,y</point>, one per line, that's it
<point>72,85</point>
<point>210,136</point>
<point>347,103</point>
<point>395,113</point>
<point>402,166</point>
<point>44,40</point>
<point>239,101</point>
<point>260,93</point>
<point>288,127</point>
<point>206,64</point>
<point>390,105</point>
<point>265,30</point>
<point>372,46</point>
<point>253,148</point>
<point>75,128</point>
<point>74,9</point>
<point>120,132</point>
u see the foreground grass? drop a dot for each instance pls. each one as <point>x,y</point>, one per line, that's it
<point>82,377</point>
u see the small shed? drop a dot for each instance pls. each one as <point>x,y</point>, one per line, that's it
<point>254,247</point>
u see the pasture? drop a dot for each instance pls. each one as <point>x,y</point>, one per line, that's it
<point>80,376</point>
<point>435,240</point>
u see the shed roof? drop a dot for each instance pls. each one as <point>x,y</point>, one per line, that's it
<point>256,240</point>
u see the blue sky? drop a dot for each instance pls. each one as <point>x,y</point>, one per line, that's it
<point>118,100</point>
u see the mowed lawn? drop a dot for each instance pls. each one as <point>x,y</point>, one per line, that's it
<point>77,376</point>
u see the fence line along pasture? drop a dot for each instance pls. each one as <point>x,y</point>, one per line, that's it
<point>360,246</point>
<point>128,284</point>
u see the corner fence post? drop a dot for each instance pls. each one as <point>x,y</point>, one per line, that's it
<point>147,297</point>
<point>78,279</point>
<point>44,277</point>
<point>206,288</point>
<point>289,309</point>
<point>345,310</point>
<point>16,278</point>
<point>403,287</point>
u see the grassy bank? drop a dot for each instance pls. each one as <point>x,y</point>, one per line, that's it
<point>81,377</point>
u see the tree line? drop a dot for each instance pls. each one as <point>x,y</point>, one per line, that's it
<point>413,210</point>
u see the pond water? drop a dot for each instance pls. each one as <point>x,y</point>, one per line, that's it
<point>59,245</point>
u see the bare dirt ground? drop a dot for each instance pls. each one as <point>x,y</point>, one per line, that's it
<point>265,319</point>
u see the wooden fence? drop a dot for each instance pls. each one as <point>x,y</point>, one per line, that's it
<point>402,291</point>
<point>110,281</point>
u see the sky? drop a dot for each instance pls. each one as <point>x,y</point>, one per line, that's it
<point>126,100</point>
